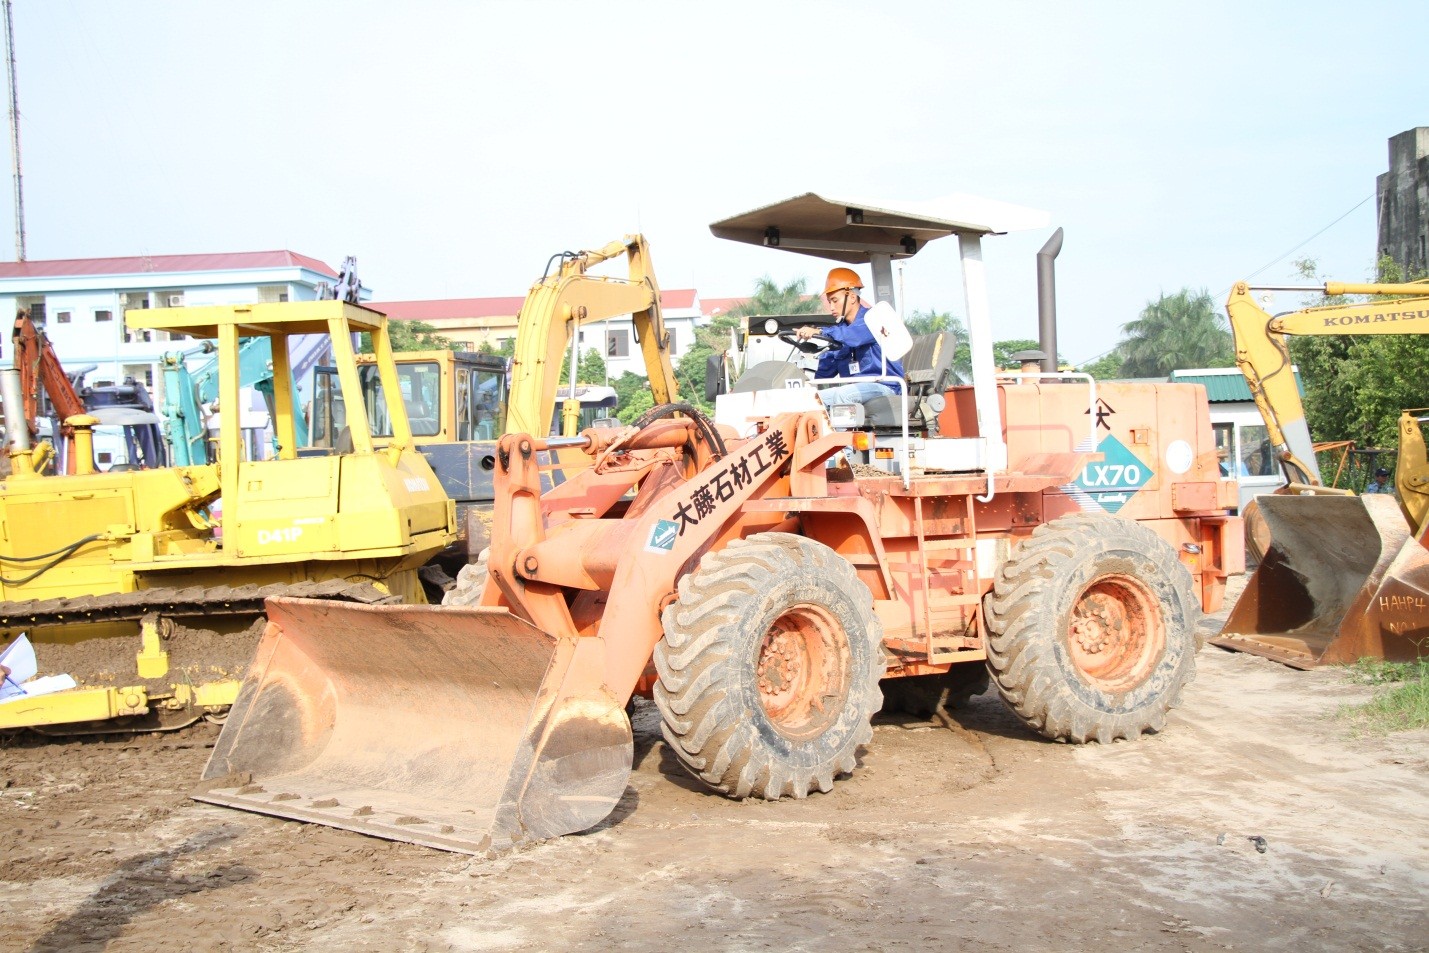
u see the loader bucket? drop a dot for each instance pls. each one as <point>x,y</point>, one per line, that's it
<point>1315,598</point>
<point>464,729</point>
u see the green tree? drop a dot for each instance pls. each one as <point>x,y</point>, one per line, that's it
<point>1355,386</point>
<point>639,402</point>
<point>410,336</point>
<point>590,370</point>
<point>506,347</point>
<point>1176,331</point>
<point>1107,367</point>
<point>1002,352</point>
<point>932,322</point>
<point>627,386</point>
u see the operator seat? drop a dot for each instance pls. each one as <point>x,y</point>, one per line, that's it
<point>927,369</point>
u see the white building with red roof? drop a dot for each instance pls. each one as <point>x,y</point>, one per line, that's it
<point>81,302</point>
<point>470,322</point>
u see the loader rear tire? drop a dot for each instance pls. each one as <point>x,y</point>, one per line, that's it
<point>1091,629</point>
<point>769,668</point>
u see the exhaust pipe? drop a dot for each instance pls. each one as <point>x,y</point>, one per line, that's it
<point>1047,300</point>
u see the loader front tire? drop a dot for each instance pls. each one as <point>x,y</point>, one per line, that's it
<point>1091,629</point>
<point>769,668</point>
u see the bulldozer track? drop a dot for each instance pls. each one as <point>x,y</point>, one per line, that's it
<point>181,603</point>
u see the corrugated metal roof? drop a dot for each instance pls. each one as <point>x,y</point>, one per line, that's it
<point>161,264</point>
<point>1222,387</point>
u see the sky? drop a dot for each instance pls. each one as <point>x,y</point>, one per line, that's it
<point>454,147</point>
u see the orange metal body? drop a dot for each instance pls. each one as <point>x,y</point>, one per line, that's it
<point>511,713</point>
<point>585,559</point>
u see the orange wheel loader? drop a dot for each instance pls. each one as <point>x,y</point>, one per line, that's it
<point>1062,536</point>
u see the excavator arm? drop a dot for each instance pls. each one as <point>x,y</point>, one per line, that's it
<point>39,366</point>
<point>556,308</point>
<point>1263,354</point>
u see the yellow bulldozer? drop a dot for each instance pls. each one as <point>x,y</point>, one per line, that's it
<point>723,569</point>
<point>131,584</point>
<point>192,645</point>
<point>1342,577</point>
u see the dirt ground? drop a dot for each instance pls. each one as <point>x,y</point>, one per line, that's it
<point>984,837</point>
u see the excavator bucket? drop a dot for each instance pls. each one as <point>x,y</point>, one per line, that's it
<point>1338,583</point>
<point>464,729</point>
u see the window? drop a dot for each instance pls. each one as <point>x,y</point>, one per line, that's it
<point>1257,458</point>
<point>671,333</point>
<point>1225,445</point>
<point>63,317</point>
<point>421,393</point>
<point>617,344</point>
<point>104,315</point>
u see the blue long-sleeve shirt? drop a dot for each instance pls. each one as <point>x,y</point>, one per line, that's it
<point>857,355</point>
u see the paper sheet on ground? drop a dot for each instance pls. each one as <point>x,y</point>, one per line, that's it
<point>19,658</point>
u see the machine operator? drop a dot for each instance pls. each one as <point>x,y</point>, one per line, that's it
<point>856,352</point>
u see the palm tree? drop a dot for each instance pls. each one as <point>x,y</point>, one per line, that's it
<point>1176,331</point>
<point>770,298</point>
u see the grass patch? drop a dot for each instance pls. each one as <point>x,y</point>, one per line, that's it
<point>1401,702</point>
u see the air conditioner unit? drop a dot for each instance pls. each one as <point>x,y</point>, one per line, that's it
<point>176,301</point>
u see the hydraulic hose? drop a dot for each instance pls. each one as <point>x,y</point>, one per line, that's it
<point>707,428</point>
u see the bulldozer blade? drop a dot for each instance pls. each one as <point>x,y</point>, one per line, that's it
<point>1319,595</point>
<point>463,729</point>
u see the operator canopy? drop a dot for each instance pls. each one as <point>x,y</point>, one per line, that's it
<point>851,230</point>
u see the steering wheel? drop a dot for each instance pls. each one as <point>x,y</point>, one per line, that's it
<point>817,344</point>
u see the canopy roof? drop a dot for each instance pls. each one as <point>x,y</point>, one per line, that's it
<point>852,230</point>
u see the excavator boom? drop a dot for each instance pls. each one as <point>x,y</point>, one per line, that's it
<point>40,367</point>
<point>555,309</point>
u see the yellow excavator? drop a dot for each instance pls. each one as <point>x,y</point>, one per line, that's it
<point>551,317</point>
<point>1341,577</point>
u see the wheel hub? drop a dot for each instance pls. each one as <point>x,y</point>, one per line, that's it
<point>1098,622</point>
<point>799,669</point>
<point>1115,634</point>
<point>780,663</point>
